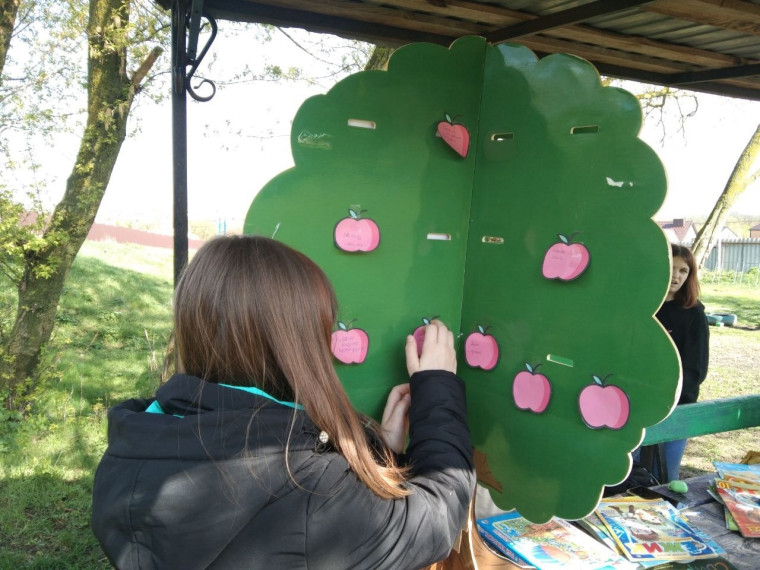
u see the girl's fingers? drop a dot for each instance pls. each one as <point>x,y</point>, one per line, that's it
<point>395,424</point>
<point>397,415</point>
<point>438,351</point>
<point>396,395</point>
<point>412,358</point>
<point>438,348</point>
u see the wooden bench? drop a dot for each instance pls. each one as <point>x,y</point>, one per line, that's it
<point>702,418</point>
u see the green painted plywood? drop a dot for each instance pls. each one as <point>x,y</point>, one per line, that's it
<point>408,185</point>
<point>572,166</point>
<point>550,152</point>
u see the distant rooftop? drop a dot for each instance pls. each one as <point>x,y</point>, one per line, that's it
<point>679,227</point>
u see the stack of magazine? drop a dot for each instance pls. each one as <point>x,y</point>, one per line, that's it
<point>623,533</point>
<point>651,532</point>
<point>738,489</point>
<point>555,544</point>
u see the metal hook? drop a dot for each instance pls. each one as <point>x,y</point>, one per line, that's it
<point>195,95</point>
<point>195,62</point>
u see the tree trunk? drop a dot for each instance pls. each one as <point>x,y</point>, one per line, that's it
<point>8,13</point>
<point>110,96</point>
<point>741,178</point>
<point>379,58</point>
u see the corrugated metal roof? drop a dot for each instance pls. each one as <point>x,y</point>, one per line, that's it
<point>704,45</point>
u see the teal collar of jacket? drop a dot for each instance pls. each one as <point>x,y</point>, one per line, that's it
<point>155,407</point>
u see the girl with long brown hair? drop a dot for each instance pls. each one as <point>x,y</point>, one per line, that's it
<point>683,316</point>
<point>252,455</point>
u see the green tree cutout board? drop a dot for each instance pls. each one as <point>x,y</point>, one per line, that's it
<point>511,198</point>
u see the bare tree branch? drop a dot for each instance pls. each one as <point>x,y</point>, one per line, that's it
<point>145,66</point>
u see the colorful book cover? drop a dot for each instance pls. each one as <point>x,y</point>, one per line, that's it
<point>730,520</point>
<point>654,530</point>
<point>744,505</point>
<point>500,547</point>
<point>739,481</point>
<point>555,544</point>
<point>713,493</point>
<point>594,526</point>
<point>748,473</point>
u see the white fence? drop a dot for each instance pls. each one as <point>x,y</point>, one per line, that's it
<point>735,260</point>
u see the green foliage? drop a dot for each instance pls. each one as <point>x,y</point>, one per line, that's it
<point>12,235</point>
<point>68,51</point>
<point>114,319</point>
<point>749,278</point>
<point>22,237</point>
<point>43,88</point>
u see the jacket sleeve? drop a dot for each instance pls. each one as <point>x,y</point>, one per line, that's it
<point>695,355</point>
<point>351,527</point>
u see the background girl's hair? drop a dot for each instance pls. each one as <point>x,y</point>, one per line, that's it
<point>688,295</point>
<point>251,311</point>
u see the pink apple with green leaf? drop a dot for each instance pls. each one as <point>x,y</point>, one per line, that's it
<point>565,260</point>
<point>604,405</point>
<point>355,233</point>
<point>531,390</point>
<point>481,349</point>
<point>349,345</point>
<point>455,135</point>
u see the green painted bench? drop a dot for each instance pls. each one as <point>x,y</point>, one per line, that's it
<point>702,418</point>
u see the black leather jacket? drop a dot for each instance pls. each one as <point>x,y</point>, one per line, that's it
<point>212,489</point>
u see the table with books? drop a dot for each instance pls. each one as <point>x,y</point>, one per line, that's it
<point>665,529</point>
<point>708,514</point>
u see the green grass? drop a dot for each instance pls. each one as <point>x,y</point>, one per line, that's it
<point>734,371</point>
<point>112,326</point>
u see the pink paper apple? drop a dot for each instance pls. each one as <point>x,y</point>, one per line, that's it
<point>456,136</point>
<point>531,391</point>
<point>356,233</point>
<point>481,350</point>
<point>603,405</point>
<point>349,345</point>
<point>419,334</point>
<point>565,260</point>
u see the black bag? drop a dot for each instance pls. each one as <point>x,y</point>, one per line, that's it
<point>639,476</point>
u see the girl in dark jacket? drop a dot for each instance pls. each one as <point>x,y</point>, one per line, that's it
<point>252,456</point>
<point>683,316</point>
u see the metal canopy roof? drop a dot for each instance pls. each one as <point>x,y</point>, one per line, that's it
<point>702,45</point>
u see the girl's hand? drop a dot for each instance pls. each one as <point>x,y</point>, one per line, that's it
<point>395,424</point>
<point>437,350</point>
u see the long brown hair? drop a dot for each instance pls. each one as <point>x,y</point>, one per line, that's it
<point>688,295</point>
<point>251,311</point>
